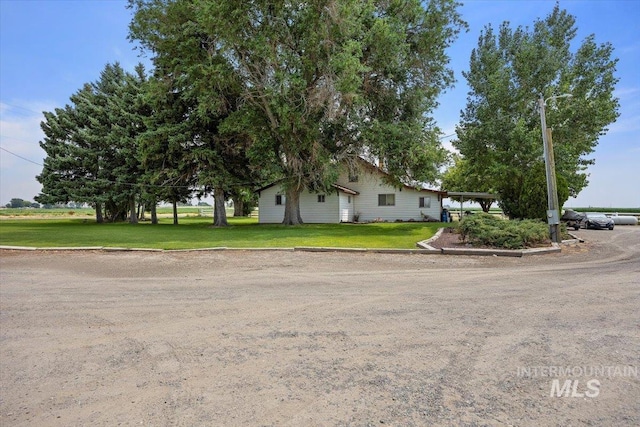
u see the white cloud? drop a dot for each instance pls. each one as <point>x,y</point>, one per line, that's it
<point>626,124</point>
<point>20,134</point>
<point>626,92</point>
<point>632,48</point>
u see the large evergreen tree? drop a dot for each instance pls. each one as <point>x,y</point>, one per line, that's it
<point>168,172</point>
<point>199,89</point>
<point>318,82</point>
<point>91,146</point>
<point>499,135</point>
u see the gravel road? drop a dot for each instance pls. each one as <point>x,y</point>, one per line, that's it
<point>241,338</point>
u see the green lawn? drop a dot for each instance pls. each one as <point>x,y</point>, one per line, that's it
<point>196,232</point>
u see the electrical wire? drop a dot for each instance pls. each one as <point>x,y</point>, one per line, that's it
<point>19,156</point>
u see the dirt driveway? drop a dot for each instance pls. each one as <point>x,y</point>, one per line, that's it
<point>307,339</point>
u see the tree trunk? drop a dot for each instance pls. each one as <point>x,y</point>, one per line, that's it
<point>292,207</point>
<point>154,213</point>
<point>133,214</point>
<point>219,210</point>
<point>175,212</point>
<point>141,212</point>
<point>485,205</point>
<point>238,205</point>
<point>99,217</point>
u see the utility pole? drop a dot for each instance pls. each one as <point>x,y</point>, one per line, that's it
<point>554,206</point>
<point>553,215</point>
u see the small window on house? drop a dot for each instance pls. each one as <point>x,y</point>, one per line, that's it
<point>353,178</point>
<point>425,202</point>
<point>348,199</point>
<point>278,199</point>
<point>386,199</point>
<point>320,198</point>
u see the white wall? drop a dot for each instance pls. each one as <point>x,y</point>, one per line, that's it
<point>312,211</point>
<point>336,207</point>
<point>268,211</point>
<point>369,185</point>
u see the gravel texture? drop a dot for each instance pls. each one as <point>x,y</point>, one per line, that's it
<point>239,338</point>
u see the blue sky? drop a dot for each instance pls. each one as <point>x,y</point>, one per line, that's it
<point>50,48</point>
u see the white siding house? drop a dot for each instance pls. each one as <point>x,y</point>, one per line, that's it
<point>362,194</point>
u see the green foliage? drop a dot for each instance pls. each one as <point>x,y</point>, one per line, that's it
<point>16,203</point>
<point>91,145</point>
<point>528,199</point>
<point>500,134</point>
<point>487,230</point>
<point>608,210</point>
<point>317,82</point>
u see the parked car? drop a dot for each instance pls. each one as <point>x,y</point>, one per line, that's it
<point>598,221</point>
<point>573,219</point>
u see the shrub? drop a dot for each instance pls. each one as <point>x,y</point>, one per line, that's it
<point>487,230</point>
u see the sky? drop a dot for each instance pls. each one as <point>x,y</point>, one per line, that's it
<point>50,48</point>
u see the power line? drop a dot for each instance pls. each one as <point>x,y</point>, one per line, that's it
<point>21,108</point>
<point>131,184</point>
<point>19,156</point>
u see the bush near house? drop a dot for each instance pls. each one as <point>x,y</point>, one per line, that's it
<point>487,230</point>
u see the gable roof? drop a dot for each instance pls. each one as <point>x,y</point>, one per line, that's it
<point>336,186</point>
<point>345,189</point>
<point>377,169</point>
<point>372,167</point>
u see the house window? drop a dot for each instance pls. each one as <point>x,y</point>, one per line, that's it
<point>320,198</point>
<point>348,199</point>
<point>425,202</point>
<point>278,199</point>
<point>386,199</point>
<point>353,178</point>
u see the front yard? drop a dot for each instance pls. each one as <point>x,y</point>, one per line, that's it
<point>195,233</point>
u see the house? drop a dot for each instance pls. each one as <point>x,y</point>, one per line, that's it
<point>361,195</point>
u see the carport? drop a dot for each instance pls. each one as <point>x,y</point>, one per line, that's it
<point>470,195</point>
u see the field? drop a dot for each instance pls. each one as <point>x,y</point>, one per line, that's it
<point>87,212</point>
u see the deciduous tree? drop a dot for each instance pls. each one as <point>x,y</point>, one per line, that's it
<point>499,135</point>
<point>319,81</point>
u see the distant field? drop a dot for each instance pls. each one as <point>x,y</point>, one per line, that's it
<point>196,232</point>
<point>590,209</point>
<point>56,212</point>
<point>607,210</point>
<point>61,212</point>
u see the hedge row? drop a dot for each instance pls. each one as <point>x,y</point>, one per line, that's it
<point>487,230</point>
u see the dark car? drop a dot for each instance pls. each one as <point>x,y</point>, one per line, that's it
<point>573,219</point>
<point>598,221</point>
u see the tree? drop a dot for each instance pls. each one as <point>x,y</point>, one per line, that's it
<point>319,82</point>
<point>532,201</point>
<point>499,135</point>
<point>16,203</point>
<point>168,174</point>
<point>200,82</point>
<point>91,146</point>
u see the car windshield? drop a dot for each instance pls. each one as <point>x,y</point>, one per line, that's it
<point>596,215</point>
